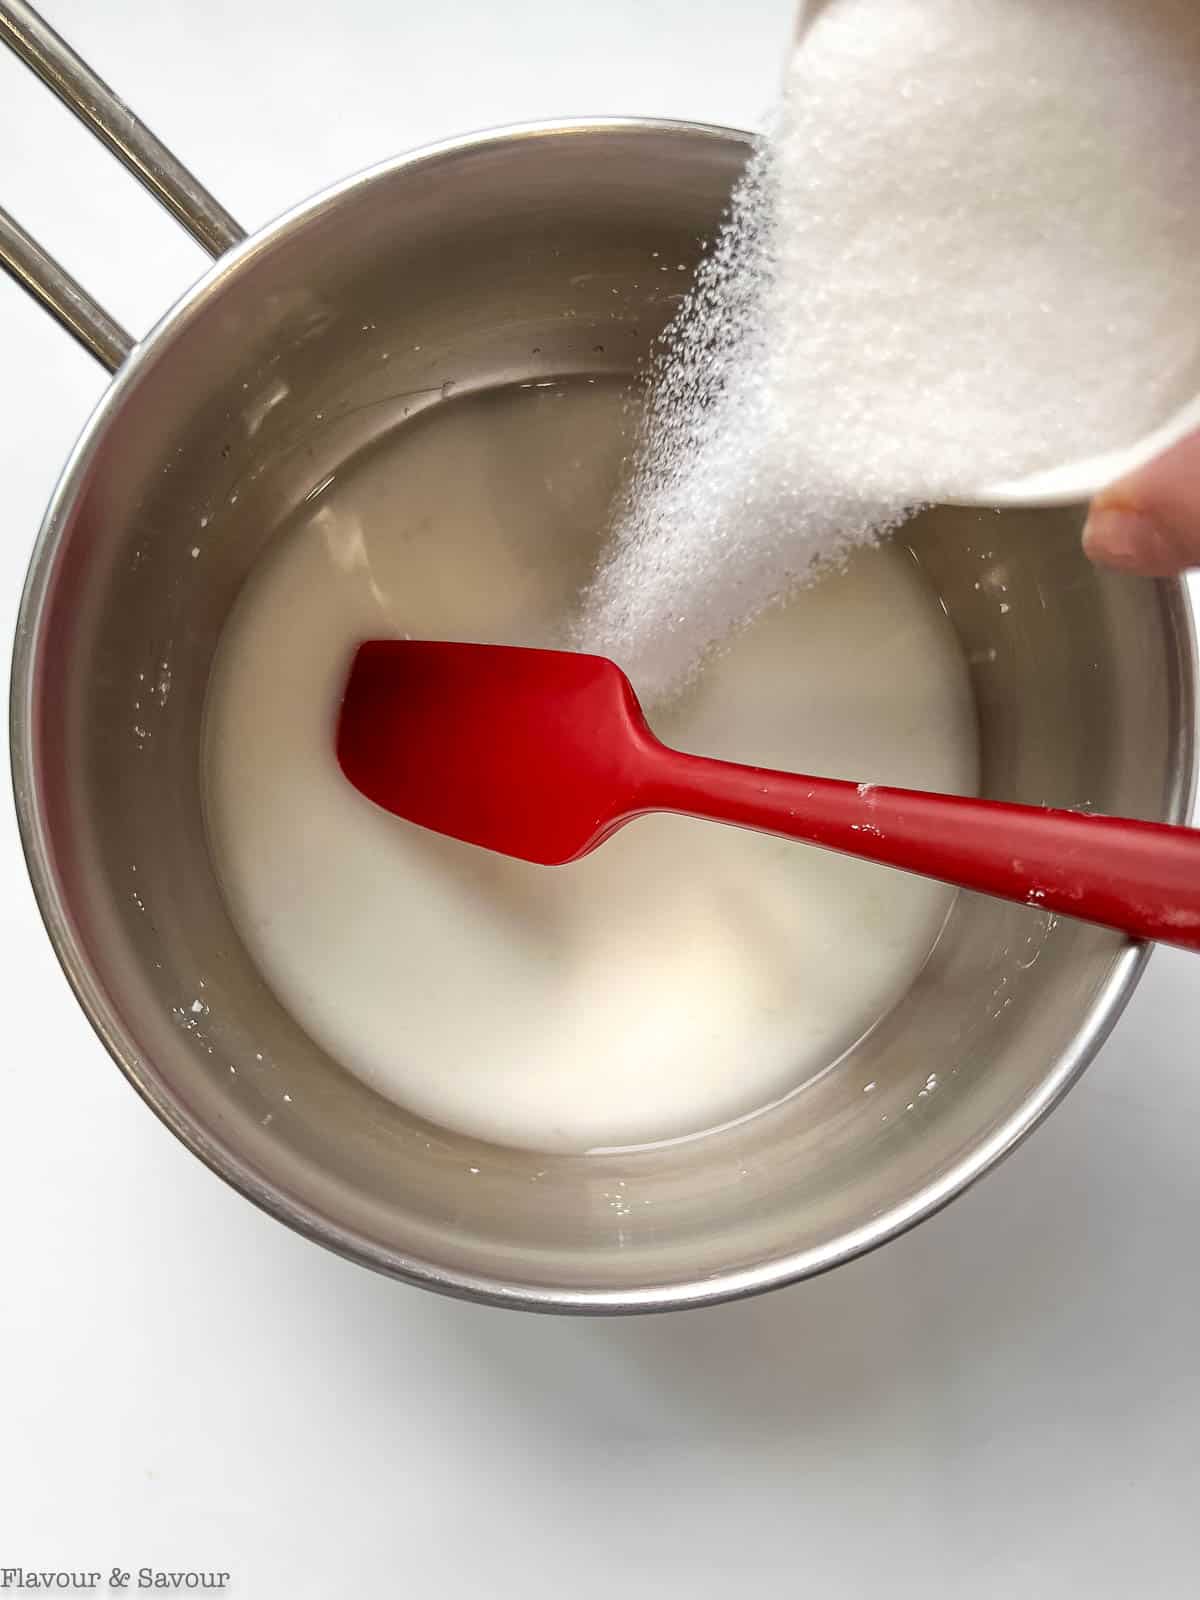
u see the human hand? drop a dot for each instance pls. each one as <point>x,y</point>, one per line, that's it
<point>1149,522</point>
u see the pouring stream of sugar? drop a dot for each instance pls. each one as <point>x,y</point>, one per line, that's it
<point>544,754</point>
<point>959,268</point>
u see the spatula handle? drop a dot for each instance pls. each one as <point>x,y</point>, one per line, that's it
<point>1142,878</point>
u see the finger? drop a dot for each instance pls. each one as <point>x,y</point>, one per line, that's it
<point>1149,522</point>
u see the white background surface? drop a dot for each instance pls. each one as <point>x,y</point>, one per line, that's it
<point>1002,1404</point>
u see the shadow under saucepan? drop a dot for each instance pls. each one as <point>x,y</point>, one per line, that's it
<point>1041,1295</point>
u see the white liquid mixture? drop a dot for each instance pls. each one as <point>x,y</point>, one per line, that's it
<point>685,974</point>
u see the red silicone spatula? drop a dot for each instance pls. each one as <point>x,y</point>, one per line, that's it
<point>542,755</point>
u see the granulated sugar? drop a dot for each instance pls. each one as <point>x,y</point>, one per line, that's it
<point>965,251</point>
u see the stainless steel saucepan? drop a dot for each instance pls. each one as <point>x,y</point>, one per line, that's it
<point>463,261</point>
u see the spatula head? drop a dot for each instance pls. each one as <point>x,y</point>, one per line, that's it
<point>538,754</point>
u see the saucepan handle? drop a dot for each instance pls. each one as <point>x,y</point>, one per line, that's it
<point>131,141</point>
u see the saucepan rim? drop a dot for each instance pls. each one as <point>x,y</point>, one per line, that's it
<point>218,1155</point>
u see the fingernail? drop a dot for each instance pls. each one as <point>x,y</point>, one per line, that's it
<point>1117,537</point>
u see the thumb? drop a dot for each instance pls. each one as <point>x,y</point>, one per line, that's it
<point>1149,522</point>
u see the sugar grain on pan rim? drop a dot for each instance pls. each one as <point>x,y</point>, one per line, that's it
<point>965,250</point>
